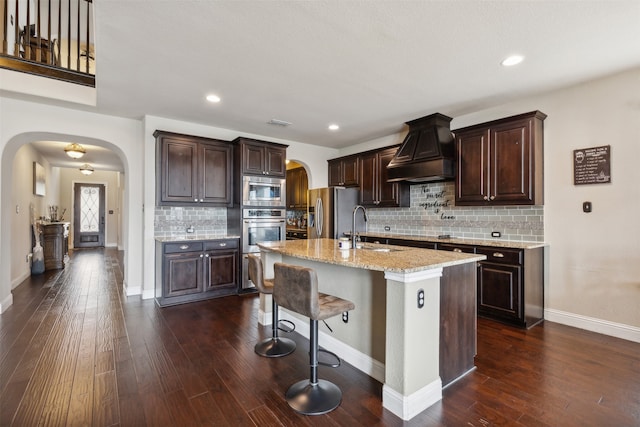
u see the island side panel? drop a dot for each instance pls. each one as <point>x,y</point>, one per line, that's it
<point>457,321</point>
<point>365,329</point>
<point>412,378</point>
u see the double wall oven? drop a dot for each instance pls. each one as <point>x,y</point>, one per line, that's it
<point>263,217</point>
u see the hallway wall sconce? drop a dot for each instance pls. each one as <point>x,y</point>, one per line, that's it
<point>75,151</point>
<point>86,169</point>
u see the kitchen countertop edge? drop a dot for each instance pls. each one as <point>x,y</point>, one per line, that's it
<point>200,238</point>
<point>402,260</point>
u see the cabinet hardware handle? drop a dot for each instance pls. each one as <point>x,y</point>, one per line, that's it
<point>222,245</point>
<point>195,200</point>
<point>486,197</point>
<point>184,247</point>
<point>207,255</point>
<point>498,254</point>
<point>201,255</point>
<point>492,197</point>
<point>457,250</point>
<point>201,200</point>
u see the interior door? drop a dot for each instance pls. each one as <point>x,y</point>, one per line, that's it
<point>88,215</point>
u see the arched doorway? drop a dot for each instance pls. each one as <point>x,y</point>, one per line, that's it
<point>19,156</point>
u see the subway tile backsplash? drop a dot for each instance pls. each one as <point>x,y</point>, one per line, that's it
<point>171,221</point>
<point>433,212</point>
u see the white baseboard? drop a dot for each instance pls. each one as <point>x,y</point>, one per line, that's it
<point>357,359</point>
<point>407,407</point>
<point>15,282</point>
<point>6,303</point>
<point>130,290</point>
<point>618,330</point>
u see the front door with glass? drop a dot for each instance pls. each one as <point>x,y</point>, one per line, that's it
<point>88,218</point>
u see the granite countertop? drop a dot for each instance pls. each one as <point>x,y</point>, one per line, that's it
<point>199,237</point>
<point>400,259</point>
<point>458,240</point>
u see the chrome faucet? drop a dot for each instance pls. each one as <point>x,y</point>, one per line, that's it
<point>354,237</point>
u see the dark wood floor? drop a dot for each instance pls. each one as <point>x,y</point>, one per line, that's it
<point>75,351</point>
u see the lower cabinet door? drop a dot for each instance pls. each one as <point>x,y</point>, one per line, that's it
<point>222,270</point>
<point>183,274</point>
<point>499,291</point>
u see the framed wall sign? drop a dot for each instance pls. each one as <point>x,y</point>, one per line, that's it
<point>39,185</point>
<point>592,165</point>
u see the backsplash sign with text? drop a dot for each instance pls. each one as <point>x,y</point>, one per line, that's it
<point>436,201</point>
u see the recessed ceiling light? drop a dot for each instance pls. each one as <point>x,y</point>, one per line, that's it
<point>512,60</point>
<point>213,98</point>
<point>334,127</point>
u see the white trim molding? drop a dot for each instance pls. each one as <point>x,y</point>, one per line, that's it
<point>414,276</point>
<point>6,303</point>
<point>618,330</point>
<point>407,407</point>
<point>357,359</point>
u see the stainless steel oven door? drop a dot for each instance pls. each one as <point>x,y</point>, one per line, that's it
<point>262,191</point>
<point>261,230</point>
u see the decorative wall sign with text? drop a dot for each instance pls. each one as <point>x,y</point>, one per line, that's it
<point>592,165</point>
<point>436,200</point>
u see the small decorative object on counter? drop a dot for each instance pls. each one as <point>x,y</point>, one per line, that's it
<point>344,243</point>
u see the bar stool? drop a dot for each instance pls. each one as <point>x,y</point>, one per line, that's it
<point>274,346</point>
<point>296,289</point>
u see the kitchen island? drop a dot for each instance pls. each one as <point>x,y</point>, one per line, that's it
<point>414,325</point>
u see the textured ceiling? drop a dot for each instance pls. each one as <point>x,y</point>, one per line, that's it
<point>369,66</point>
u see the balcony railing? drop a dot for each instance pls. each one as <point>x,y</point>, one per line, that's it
<point>50,38</point>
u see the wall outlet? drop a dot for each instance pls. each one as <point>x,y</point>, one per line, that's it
<point>387,228</point>
<point>420,298</point>
<point>496,234</point>
<point>345,317</point>
<point>29,256</point>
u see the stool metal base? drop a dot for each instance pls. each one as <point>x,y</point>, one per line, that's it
<point>314,399</point>
<point>275,347</point>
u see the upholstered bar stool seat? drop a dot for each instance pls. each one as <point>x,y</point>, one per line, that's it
<point>274,346</point>
<point>296,289</point>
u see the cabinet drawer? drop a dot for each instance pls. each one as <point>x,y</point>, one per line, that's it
<point>221,244</point>
<point>501,255</point>
<point>456,248</point>
<point>172,248</point>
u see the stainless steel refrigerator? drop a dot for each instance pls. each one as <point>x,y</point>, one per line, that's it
<point>330,212</point>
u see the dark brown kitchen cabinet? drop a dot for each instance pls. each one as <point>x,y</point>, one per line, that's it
<point>375,191</point>
<point>510,285</point>
<point>297,186</point>
<point>344,171</point>
<point>195,270</point>
<point>193,170</point>
<point>262,158</point>
<point>501,162</point>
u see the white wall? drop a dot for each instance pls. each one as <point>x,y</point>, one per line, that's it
<point>25,205</point>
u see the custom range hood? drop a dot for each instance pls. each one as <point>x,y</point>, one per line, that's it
<point>427,153</point>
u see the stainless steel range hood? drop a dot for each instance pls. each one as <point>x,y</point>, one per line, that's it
<point>427,153</point>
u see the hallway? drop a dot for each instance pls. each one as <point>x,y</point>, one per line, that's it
<point>75,351</point>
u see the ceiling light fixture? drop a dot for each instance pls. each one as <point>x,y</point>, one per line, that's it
<point>279,122</point>
<point>86,169</point>
<point>334,127</point>
<point>75,151</point>
<point>512,60</point>
<point>213,98</point>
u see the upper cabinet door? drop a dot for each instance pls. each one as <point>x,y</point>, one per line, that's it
<point>472,185</point>
<point>178,171</point>
<point>216,167</point>
<point>511,172</point>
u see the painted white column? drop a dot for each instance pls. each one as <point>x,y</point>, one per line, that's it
<point>412,359</point>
